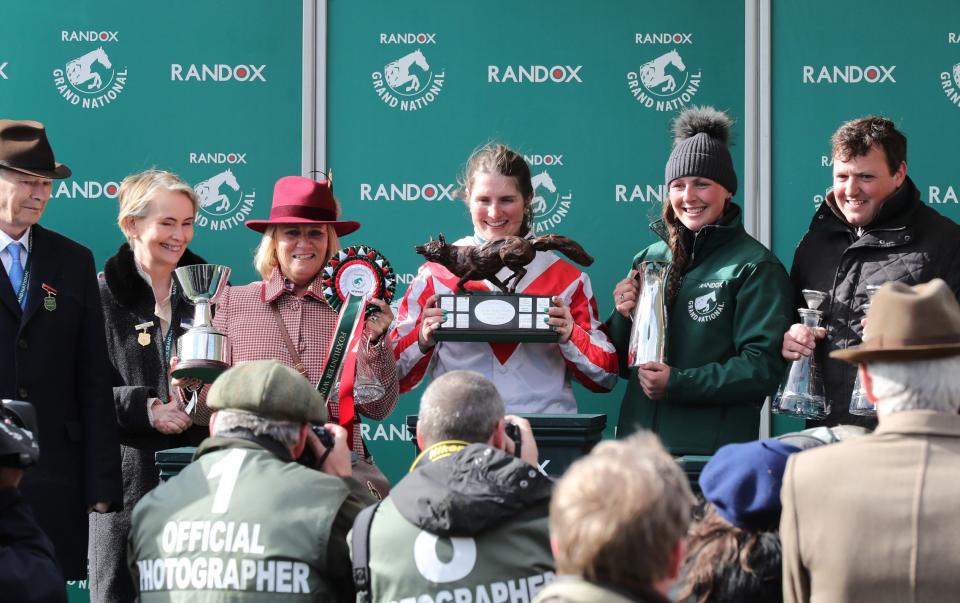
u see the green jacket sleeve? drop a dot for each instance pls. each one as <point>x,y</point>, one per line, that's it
<point>761,317</point>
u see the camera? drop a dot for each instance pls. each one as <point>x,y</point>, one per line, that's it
<point>18,434</point>
<point>513,432</point>
<point>308,458</point>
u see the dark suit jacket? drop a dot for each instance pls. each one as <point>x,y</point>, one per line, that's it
<point>57,360</point>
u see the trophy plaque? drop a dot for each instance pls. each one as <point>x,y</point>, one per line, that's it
<point>505,315</point>
<point>492,316</point>
<point>204,352</point>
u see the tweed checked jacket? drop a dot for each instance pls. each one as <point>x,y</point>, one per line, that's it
<point>243,314</point>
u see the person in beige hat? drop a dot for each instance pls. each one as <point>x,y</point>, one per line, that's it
<point>244,516</point>
<point>874,518</point>
<point>53,350</point>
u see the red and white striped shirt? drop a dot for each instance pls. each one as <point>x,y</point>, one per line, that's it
<point>243,314</point>
<point>531,377</point>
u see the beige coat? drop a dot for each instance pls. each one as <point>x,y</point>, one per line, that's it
<point>877,518</point>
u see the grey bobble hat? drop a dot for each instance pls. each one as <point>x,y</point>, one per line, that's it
<point>270,390</point>
<point>700,136</point>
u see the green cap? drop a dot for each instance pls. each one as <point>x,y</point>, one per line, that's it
<point>269,389</point>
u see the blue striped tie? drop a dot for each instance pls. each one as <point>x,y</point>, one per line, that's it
<point>16,270</point>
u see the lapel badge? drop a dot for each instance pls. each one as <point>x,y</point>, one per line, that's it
<point>50,301</point>
<point>143,337</point>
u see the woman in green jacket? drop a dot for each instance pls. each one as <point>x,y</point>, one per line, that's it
<point>728,305</point>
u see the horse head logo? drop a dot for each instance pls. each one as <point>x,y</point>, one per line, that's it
<point>398,72</point>
<point>956,74</point>
<point>654,73</point>
<point>208,191</point>
<point>539,204</point>
<point>705,303</point>
<point>79,70</point>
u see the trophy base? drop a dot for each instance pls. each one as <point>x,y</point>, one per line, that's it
<point>495,317</point>
<point>204,370</point>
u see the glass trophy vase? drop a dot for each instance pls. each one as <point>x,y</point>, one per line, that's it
<point>801,393</point>
<point>859,404</point>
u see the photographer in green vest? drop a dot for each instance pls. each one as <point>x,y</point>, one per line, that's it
<point>469,522</point>
<point>244,516</point>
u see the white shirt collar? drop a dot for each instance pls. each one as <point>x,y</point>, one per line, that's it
<point>6,239</point>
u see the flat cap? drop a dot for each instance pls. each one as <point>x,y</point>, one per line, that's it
<point>269,389</point>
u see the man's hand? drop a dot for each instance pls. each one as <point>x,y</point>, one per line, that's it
<point>800,341</point>
<point>528,445</point>
<point>338,461</point>
<point>100,507</point>
<point>653,379</point>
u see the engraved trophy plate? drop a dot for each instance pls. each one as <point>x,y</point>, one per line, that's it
<point>204,352</point>
<point>503,315</point>
<point>492,316</point>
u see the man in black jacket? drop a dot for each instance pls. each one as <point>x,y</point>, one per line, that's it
<point>28,567</point>
<point>53,350</point>
<point>872,228</point>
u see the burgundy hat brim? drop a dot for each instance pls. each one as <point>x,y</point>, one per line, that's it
<point>341,227</point>
<point>59,172</point>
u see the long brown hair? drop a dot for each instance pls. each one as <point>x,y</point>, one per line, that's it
<point>679,254</point>
<point>725,563</point>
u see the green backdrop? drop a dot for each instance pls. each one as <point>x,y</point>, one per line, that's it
<point>552,80</point>
<point>413,87</point>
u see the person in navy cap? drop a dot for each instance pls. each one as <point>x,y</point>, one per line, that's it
<point>733,553</point>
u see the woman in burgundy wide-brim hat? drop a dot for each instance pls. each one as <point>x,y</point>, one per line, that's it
<point>300,236</point>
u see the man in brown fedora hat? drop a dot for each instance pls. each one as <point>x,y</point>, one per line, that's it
<point>875,518</point>
<point>53,349</point>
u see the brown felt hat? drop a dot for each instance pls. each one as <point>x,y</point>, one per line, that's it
<point>909,323</point>
<point>24,148</point>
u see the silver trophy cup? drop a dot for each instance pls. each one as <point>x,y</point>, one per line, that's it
<point>204,352</point>
<point>648,338</point>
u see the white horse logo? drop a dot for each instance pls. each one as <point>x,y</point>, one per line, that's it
<point>78,70</point>
<point>654,73</point>
<point>398,72</point>
<point>208,191</point>
<point>539,204</point>
<point>704,303</point>
<point>956,74</point>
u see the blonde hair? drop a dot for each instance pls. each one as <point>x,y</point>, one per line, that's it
<point>618,513</point>
<point>265,257</point>
<point>137,191</point>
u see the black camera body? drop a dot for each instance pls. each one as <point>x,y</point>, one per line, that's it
<point>19,445</point>
<point>308,458</point>
<point>513,432</point>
